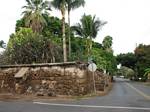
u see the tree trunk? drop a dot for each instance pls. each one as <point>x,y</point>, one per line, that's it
<point>69,35</point>
<point>63,35</point>
<point>90,46</point>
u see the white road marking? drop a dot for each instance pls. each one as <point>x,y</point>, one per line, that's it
<point>92,106</point>
<point>139,92</point>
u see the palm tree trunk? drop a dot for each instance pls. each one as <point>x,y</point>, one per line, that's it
<point>87,47</point>
<point>90,46</point>
<point>69,35</point>
<point>63,35</point>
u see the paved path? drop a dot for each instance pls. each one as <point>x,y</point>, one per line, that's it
<point>125,96</point>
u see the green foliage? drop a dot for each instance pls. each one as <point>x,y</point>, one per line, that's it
<point>147,73</point>
<point>78,49</point>
<point>139,61</point>
<point>33,14</point>
<point>59,4</point>
<point>43,42</point>
<point>74,4</point>
<point>126,72</point>
<point>104,60</point>
<point>71,5</point>
<point>107,44</point>
<point>53,30</point>
<point>88,28</point>
<point>99,58</point>
<point>142,54</point>
<point>128,60</point>
<point>19,24</point>
<point>25,46</point>
<point>97,45</point>
<point>2,44</point>
<point>54,26</point>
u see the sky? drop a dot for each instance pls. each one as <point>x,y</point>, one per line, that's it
<point>128,20</point>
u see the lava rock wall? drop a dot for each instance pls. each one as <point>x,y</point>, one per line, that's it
<point>70,79</point>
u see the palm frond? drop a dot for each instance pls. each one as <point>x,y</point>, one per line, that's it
<point>29,2</point>
<point>78,30</point>
<point>56,4</point>
<point>147,71</point>
<point>73,4</point>
<point>89,25</point>
<point>33,14</point>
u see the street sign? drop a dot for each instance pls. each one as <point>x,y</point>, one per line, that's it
<point>92,67</point>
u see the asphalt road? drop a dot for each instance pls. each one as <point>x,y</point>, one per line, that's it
<point>125,96</point>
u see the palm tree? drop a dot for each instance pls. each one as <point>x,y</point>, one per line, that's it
<point>107,43</point>
<point>61,5</point>
<point>33,14</point>
<point>88,28</point>
<point>147,73</point>
<point>71,5</point>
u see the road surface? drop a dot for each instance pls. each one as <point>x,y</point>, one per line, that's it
<point>125,96</point>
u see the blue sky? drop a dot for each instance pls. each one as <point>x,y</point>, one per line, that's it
<point>128,20</point>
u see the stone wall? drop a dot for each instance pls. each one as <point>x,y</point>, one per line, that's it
<point>51,79</point>
<point>7,80</point>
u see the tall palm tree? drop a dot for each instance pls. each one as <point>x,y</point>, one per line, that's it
<point>71,5</point>
<point>33,14</point>
<point>61,5</point>
<point>88,28</point>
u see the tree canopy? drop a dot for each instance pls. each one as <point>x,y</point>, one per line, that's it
<point>33,14</point>
<point>25,46</point>
<point>139,61</point>
<point>142,54</point>
<point>107,43</point>
<point>128,60</point>
<point>88,28</point>
<point>41,38</point>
